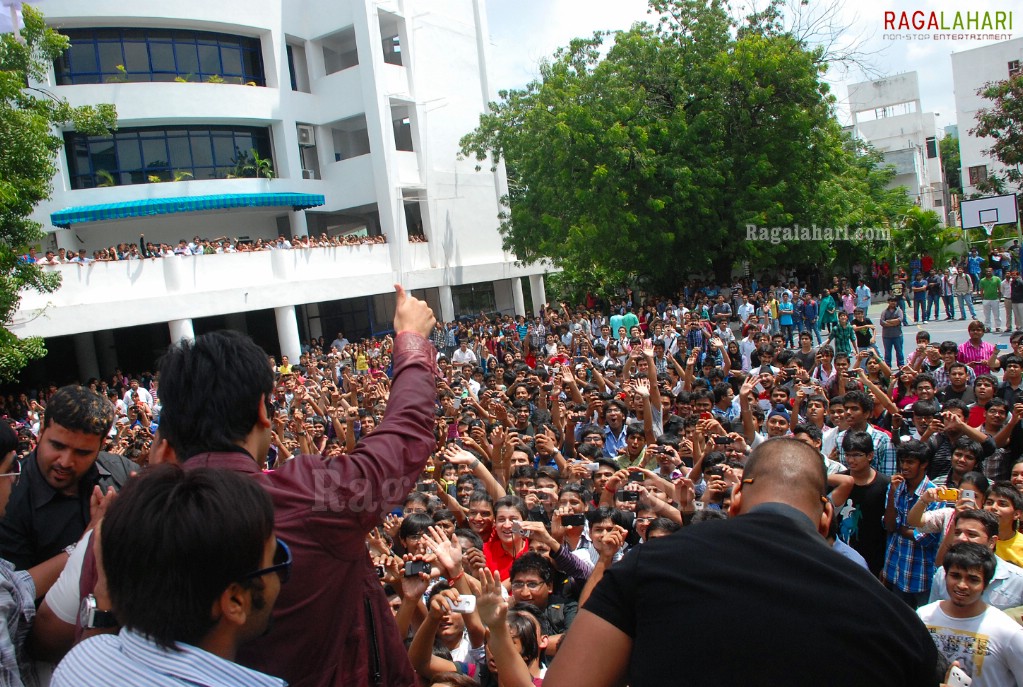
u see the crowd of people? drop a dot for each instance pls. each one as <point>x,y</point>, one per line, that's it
<point>526,500</point>
<point>199,246</point>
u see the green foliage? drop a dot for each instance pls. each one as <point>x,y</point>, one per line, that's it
<point>651,155</point>
<point>951,164</point>
<point>920,231</point>
<point>1003,122</point>
<point>28,149</point>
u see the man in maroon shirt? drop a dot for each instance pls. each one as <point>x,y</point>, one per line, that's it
<point>332,624</point>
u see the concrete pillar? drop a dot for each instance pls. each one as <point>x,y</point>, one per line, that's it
<point>313,321</point>
<point>287,332</point>
<point>299,225</point>
<point>85,354</point>
<point>539,292</point>
<point>236,322</point>
<point>517,298</point>
<point>447,304</point>
<point>181,329</point>
<point>106,351</point>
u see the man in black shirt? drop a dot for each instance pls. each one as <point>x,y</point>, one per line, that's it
<point>766,571</point>
<point>861,516</point>
<point>50,505</point>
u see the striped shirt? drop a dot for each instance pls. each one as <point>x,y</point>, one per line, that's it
<point>128,659</point>
<point>971,353</point>
<point>909,563</point>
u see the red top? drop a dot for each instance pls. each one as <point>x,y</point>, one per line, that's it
<point>332,624</point>
<point>499,560</point>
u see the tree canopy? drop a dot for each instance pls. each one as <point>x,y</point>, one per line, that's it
<point>1003,123</point>
<point>28,149</point>
<point>649,151</point>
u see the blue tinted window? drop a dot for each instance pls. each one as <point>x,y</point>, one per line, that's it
<point>145,155</point>
<point>109,55</point>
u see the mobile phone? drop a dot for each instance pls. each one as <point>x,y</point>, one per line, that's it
<point>807,390</point>
<point>536,514</point>
<point>573,520</point>
<point>706,416</point>
<point>968,495</point>
<point>948,494</point>
<point>1002,347</point>
<point>466,604</point>
<point>791,371</point>
<point>380,572</point>
<point>592,467</point>
<point>958,678</point>
<point>427,487</point>
<point>718,439</point>
<point>414,568</point>
<point>636,477</point>
<point>623,495</point>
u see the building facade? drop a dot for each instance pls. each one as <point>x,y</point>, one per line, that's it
<point>256,121</point>
<point>971,71</point>
<point>887,113</point>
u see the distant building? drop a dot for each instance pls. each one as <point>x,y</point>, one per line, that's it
<point>887,114</point>
<point>971,70</point>
<point>952,130</point>
<point>355,107</point>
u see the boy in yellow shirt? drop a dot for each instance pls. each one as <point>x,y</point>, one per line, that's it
<point>1005,501</point>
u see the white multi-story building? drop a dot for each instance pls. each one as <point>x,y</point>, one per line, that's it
<point>357,104</point>
<point>971,71</point>
<point>887,113</point>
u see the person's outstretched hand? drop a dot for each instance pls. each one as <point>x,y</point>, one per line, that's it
<point>412,314</point>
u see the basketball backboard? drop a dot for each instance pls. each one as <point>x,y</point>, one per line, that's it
<point>991,209</point>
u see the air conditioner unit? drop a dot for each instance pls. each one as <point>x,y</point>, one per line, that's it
<point>308,174</point>
<point>306,135</point>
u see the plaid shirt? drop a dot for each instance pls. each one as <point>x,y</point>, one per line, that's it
<point>696,340</point>
<point>941,379</point>
<point>909,563</point>
<point>884,452</point>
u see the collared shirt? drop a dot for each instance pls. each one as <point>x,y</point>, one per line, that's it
<point>41,521</point>
<point>909,562</point>
<point>613,442</point>
<point>884,452</point>
<point>130,659</point>
<point>1004,591</point>
<point>17,610</point>
<point>941,380</point>
<point>970,353</point>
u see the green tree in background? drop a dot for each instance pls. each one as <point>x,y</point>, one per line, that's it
<point>951,164</point>
<point>1003,122</point>
<point>653,159</point>
<point>28,148</point>
<point>920,231</point>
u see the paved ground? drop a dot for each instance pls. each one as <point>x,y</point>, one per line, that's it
<point>940,330</point>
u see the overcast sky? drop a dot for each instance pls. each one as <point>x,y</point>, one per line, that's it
<point>525,31</point>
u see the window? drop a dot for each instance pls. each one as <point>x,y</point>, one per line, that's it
<point>1014,68</point>
<point>932,147</point>
<point>145,155</point>
<point>133,55</point>
<point>392,50</point>
<point>978,174</point>
<point>403,134</point>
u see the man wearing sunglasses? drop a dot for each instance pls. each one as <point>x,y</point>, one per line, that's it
<point>186,594</point>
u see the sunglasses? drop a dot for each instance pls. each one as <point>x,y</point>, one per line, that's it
<point>281,564</point>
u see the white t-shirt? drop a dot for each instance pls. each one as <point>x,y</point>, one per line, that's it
<point>64,597</point>
<point>989,646</point>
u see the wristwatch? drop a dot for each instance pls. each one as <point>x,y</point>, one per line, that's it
<point>91,618</point>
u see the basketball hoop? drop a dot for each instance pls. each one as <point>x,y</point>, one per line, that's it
<point>988,227</point>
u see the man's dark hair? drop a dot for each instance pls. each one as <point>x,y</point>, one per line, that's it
<point>584,494</point>
<point>859,442</point>
<point>8,438</point>
<point>860,398</point>
<point>809,429</point>
<point>607,513</point>
<point>914,449</point>
<point>967,555</point>
<point>80,409</point>
<point>1012,359</point>
<point>965,443</point>
<point>512,502</point>
<point>721,392</point>
<point>956,404</point>
<point>534,563</point>
<point>634,428</point>
<point>465,533</point>
<point>987,519</point>
<point>948,347</point>
<point>211,390</point>
<point>165,560</point>
<point>924,377</point>
<point>665,525</point>
<point>415,524</point>
<point>926,408</point>
<point>1007,491</point>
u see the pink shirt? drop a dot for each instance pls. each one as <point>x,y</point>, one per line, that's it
<point>970,353</point>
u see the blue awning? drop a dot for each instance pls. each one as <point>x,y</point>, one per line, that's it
<point>164,206</point>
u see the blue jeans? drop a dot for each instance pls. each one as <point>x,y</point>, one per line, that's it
<point>815,330</point>
<point>966,301</point>
<point>933,301</point>
<point>919,309</point>
<point>890,343</point>
<point>950,306</point>
<point>905,311</point>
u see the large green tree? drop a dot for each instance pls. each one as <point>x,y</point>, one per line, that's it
<point>651,156</point>
<point>28,148</point>
<point>951,164</point>
<point>1003,123</point>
